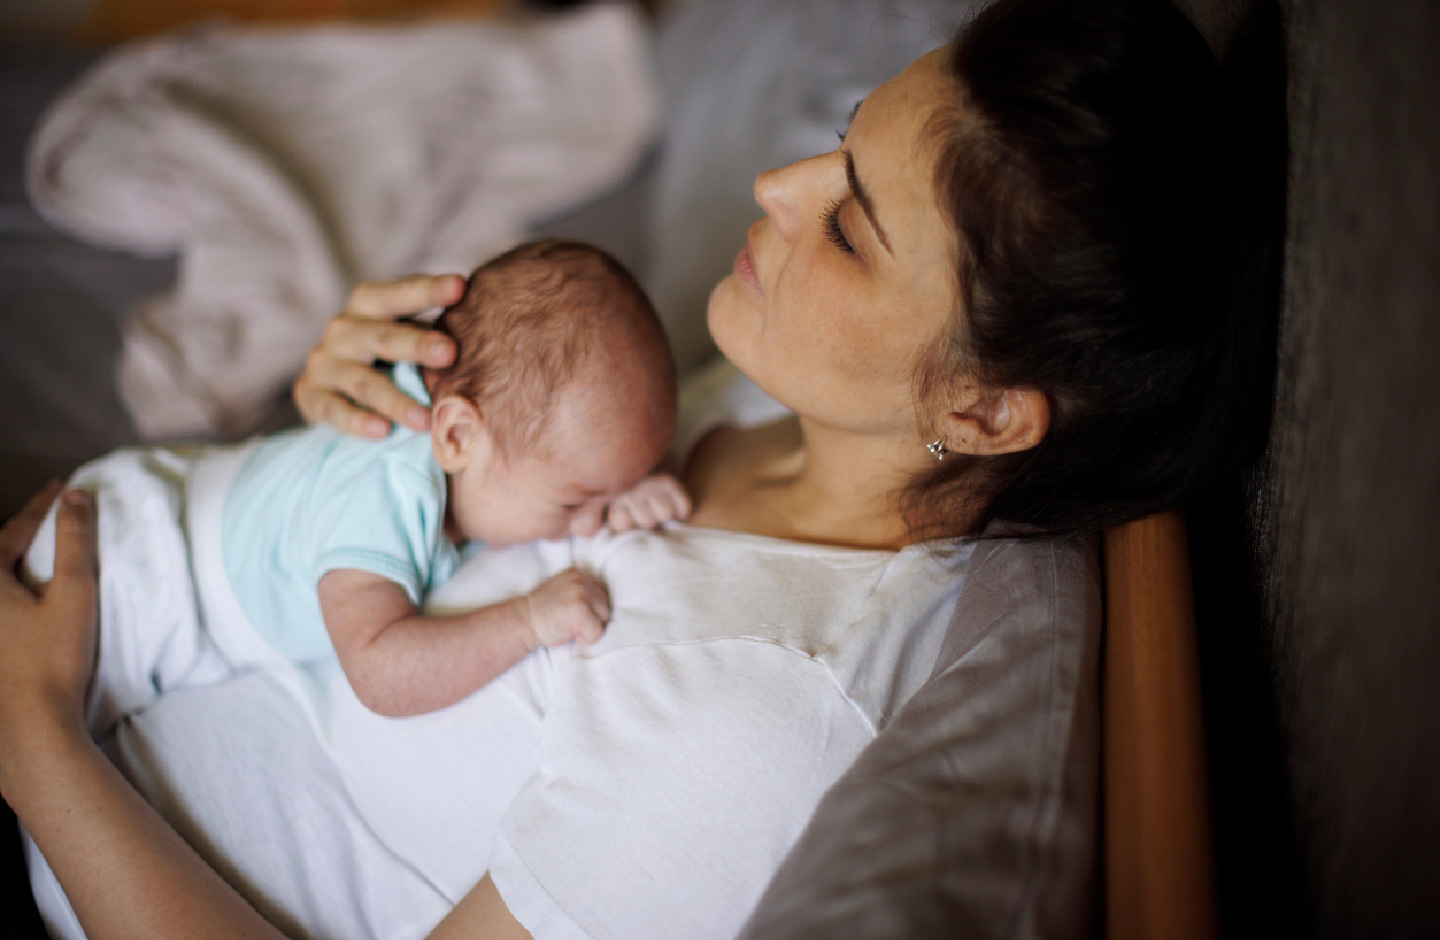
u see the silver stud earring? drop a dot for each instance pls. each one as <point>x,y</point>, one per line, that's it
<point>937,448</point>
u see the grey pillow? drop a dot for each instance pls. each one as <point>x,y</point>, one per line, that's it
<point>974,812</point>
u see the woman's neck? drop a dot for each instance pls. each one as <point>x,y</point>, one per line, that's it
<point>795,480</point>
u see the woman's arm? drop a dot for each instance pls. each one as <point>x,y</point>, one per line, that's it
<point>341,386</point>
<point>125,871</point>
<point>480,914</point>
<point>123,868</point>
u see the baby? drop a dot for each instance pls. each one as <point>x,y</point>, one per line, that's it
<point>560,403</point>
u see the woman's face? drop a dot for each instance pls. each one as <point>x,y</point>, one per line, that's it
<point>850,275</point>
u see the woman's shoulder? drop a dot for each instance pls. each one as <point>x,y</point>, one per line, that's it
<point>871,619</point>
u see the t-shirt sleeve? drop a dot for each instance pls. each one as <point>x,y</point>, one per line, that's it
<point>668,792</point>
<point>388,520</point>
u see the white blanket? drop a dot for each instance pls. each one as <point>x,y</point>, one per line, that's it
<point>284,167</point>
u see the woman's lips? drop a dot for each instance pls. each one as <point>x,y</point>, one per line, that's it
<point>745,269</point>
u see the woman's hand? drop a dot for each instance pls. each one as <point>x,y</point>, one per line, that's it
<point>47,635</point>
<point>125,871</point>
<point>341,386</point>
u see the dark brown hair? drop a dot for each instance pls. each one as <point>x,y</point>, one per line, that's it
<point>1089,165</point>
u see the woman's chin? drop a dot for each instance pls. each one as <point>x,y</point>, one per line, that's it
<point>734,325</point>
<point>719,312</point>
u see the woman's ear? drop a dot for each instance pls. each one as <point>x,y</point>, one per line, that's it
<point>997,421</point>
<point>458,433</point>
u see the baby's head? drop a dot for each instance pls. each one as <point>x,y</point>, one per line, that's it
<point>561,397</point>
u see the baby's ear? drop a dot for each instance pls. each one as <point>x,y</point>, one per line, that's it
<point>458,433</point>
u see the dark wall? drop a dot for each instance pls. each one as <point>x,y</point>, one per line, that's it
<point>1348,513</point>
<point>1318,583</point>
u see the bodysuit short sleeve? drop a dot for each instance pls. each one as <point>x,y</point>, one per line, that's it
<point>314,500</point>
<point>389,521</point>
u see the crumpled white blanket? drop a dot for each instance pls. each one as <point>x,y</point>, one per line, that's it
<point>284,166</point>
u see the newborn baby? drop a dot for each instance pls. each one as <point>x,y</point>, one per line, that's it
<point>559,406</point>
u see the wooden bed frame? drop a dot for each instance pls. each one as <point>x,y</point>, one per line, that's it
<point>1157,855</point>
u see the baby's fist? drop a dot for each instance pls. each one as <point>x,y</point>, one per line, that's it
<point>656,499</point>
<point>571,606</point>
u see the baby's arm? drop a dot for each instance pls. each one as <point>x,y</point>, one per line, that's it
<point>400,662</point>
<point>656,499</point>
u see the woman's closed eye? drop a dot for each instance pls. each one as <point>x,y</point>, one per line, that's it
<point>830,220</point>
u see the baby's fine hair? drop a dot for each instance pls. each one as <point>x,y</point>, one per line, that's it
<point>540,316</point>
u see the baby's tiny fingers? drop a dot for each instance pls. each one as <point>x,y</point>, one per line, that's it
<point>619,516</point>
<point>598,600</point>
<point>589,632</point>
<point>663,507</point>
<point>599,606</point>
<point>681,501</point>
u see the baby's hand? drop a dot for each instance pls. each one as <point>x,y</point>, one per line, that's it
<point>569,606</point>
<point>657,498</point>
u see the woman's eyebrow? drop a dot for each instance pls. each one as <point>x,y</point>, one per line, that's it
<point>862,196</point>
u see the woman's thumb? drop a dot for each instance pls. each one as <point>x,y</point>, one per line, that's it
<point>75,545</point>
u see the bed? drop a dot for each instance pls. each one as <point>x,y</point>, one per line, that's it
<point>898,847</point>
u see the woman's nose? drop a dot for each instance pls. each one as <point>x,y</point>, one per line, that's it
<point>783,192</point>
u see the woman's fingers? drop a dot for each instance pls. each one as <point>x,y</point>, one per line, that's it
<point>17,534</point>
<point>326,407</point>
<point>404,296</point>
<point>356,393</point>
<point>340,385</point>
<point>354,397</point>
<point>320,402</point>
<point>364,331</point>
<point>356,339</point>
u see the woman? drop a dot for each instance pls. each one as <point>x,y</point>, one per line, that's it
<point>992,303</point>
